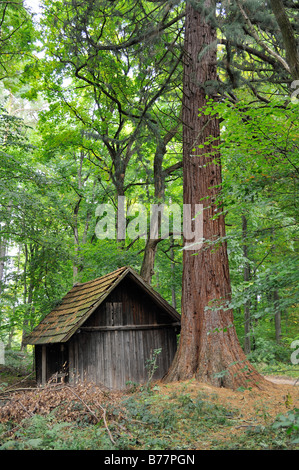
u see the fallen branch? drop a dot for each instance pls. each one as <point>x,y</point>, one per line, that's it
<point>85,404</point>
<point>247,426</point>
<point>25,409</point>
<point>58,386</point>
<point>16,383</point>
<point>12,390</point>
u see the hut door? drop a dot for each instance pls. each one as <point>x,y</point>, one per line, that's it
<point>57,362</point>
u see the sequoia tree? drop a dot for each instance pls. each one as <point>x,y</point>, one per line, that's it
<point>209,349</point>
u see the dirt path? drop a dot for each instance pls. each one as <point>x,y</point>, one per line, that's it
<point>276,379</point>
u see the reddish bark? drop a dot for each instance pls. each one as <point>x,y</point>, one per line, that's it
<point>209,349</point>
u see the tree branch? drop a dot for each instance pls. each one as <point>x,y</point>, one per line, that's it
<point>288,36</point>
<point>260,42</point>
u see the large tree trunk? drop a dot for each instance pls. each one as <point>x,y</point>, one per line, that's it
<point>209,349</point>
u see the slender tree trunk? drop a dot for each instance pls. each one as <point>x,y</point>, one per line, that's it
<point>28,292</point>
<point>209,349</point>
<point>173,294</point>
<point>3,246</point>
<point>148,262</point>
<point>3,249</point>
<point>76,261</point>
<point>275,300</point>
<point>246,277</point>
<point>29,312</point>
<point>277,316</point>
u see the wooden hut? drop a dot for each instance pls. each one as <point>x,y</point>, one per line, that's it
<point>104,331</point>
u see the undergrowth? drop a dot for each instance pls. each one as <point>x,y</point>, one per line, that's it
<point>144,419</point>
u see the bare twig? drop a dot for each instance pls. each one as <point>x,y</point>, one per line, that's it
<point>25,409</point>
<point>85,404</point>
<point>105,422</point>
<point>16,383</point>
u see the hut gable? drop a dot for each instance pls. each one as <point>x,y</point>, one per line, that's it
<point>82,300</point>
<point>105,330</point>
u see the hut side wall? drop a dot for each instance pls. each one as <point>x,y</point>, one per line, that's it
<point>115,357</point>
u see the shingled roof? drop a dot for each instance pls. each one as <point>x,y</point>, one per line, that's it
<point>81,301</point>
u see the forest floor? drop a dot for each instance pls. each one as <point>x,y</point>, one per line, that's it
<point>254,408</point>
<point>183,415</point>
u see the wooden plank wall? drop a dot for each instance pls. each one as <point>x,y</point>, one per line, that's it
<point>113,358</point>
<point>132,306</point>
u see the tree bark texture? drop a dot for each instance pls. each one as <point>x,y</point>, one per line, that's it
<point>209,348</point>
